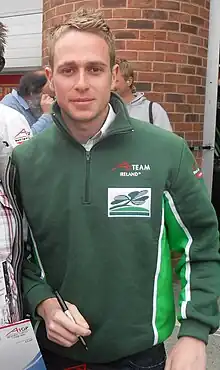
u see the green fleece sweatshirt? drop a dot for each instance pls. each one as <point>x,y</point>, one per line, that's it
<point>104,224</point>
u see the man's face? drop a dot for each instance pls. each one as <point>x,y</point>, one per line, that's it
<point>121,86</point>
<point>81,75</point>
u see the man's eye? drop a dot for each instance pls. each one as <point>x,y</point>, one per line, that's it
<point>95,69</point>
<point>67,71</point>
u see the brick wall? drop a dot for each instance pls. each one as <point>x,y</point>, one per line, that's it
<point>167,42</point>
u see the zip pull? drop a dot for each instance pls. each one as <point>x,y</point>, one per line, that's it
<point>88,154</point>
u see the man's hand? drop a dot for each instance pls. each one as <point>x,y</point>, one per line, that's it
<point>188,354</point>
<point>45,103</point>
<point>61,329</point>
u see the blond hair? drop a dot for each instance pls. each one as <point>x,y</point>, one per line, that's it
<point>89,20</point>
<point>127,72</point>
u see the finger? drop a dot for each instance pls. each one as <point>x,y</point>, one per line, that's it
<point>65,322</point>
<point>62,342</point>
<point>168,365</point>
<point>57,331</point>
<point>80,320</point>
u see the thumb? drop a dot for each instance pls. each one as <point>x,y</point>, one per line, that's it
<point>77,316</point>
<point>168,365</point>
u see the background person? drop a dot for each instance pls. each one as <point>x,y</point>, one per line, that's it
<point>137,104</point>
<point>30,100</point>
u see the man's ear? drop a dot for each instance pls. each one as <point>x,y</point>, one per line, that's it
<point>130,81</point>
<point>115,70</point>
<point>49,74</point>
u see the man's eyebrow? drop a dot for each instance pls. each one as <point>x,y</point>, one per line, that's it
<point>89,63</point>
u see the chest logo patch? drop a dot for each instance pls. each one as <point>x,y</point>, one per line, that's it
<point>129,202</point>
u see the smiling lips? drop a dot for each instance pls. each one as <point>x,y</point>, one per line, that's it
<point>82,100</point>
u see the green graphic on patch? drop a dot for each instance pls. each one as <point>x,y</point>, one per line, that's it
<point>129,202</point>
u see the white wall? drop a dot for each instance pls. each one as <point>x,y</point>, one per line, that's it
<point>24,43</point>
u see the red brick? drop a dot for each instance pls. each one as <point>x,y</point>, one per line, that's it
<point>155,14</point>
<point>194,80</point>
<point>192,135</point>
<point>197,61</point>
<point>175,58</point>
<point>167,46</point>
<point>203,32</point>
<point>196,40</point>
<point>188,49</point>
<point>178,37</point>
<point>185,108</point>
<point>187,28</point>
<point>198,126</point>
<point>142,66</point>
<point>164,67</point>
<point>176,117</point>
<point>139,45</point>
<point>175,98</point>
<point>158,87</point>
<point>140,24</point>
<point>89,4</point>
<point>129,55</point>
<point>107,13</point>
<point>200,90</point>
<point>184,126</point>
<point>179,17</point>
<point>168,4</point>
<point>113,3</point>
<point>158,97</point>
<point>141,3</point>
<point>151,55</point>
<point>120,44</point>
<point>193,99</point>
<point>152,35</point>
<point>118,24</point>
<point>127,13</point>
<point>63,9</point>
<point>169,26</point>
<point>186,89</point>
<point>199,2</point>
<point>126,34</point>
<point>151,76</point>
<point>189,8</point>
<point>175,78</point>
<point>143,86</point>
<point>197,21</point>
<point>199,108</point>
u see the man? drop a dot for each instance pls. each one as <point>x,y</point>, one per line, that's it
<point>13,127</point>
<point>138,106</point>
<point>122,195</point>
<point>30,100</point>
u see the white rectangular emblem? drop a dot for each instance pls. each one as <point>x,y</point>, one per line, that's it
<point>129,202</point>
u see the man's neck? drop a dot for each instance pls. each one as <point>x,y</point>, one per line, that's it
<point>83,131</point>
<point>128,97</point>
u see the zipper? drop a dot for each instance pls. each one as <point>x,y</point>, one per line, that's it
<point>87,178</point>
<point>17,253</point>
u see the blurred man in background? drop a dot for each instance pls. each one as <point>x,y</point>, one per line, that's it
<point>137,104</point>
<point>32,100</point>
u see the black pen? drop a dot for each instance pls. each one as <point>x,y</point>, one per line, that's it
<point>68,314</point>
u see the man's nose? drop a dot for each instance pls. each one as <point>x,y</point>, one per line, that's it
<point>82,82</point>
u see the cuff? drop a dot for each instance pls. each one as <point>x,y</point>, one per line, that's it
<point>36,295</point>
<point>194,329</point>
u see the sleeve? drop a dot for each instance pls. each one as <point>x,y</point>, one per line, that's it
<point>161,118</point>
<point>35,288</point>
<point>192,231</point>
<point>42,123</point>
